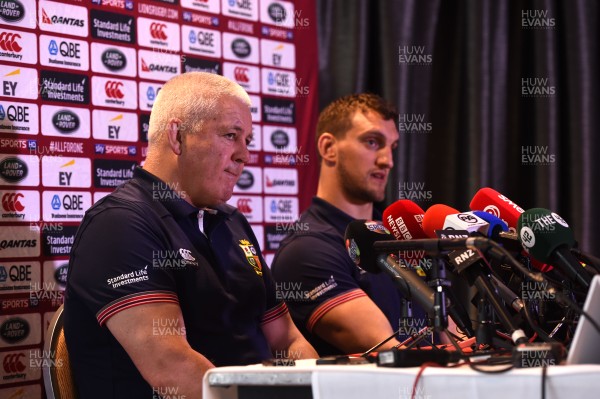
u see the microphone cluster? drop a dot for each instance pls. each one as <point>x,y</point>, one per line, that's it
<point>494,246</point>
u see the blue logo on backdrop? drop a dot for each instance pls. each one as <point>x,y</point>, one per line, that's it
<point>55,202</point>
<point>52,47</point>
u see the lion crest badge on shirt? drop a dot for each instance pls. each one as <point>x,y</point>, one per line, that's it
<point>251,256</point>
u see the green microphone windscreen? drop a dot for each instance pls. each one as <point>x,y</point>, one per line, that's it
<point>542,231</point>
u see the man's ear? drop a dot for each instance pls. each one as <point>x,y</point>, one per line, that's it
<point>327,147</point>
<point>173,132</point>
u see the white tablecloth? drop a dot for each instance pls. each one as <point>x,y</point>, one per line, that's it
<point>372,382</point>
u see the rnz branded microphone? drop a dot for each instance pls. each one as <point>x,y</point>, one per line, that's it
<point>547,237</point>
<point>359,238</point>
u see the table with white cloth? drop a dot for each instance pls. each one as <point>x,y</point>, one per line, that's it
<point>308,380</point>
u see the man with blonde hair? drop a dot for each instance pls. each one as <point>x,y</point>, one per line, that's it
<point>166,280</point>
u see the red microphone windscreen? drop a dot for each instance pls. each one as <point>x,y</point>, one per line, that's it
<point>435,217</point>
<point>491,201</point>
<point>404,220</point>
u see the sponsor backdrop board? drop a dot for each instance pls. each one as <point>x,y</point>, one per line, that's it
<point>78,81</point>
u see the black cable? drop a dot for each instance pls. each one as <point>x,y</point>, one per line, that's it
<point>367,353</point>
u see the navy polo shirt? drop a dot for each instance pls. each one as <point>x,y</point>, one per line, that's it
<point>314,274</point>
<point>141,244</point>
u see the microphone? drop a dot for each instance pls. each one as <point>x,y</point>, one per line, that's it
<point>547,237</point>
<point>359,238</point>
<point>404,219</point>
<point>491,201</point>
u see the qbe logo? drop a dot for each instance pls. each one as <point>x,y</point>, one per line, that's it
<point>65,206</point>
<point>67,172</point>
<point>211,6</point>
<point>18,46</point>
<point>201,41</point>
<point>64,52</point>
<point>250,206</point>
<point>281,209</point>
<point>114,125</point>
<point>19,82</point>
<point>148,93</point>
<point>158,66</point>
<point>21,205</point>
<point>243,9</point>
<point>55,17</point>
<point>158,34</point>
<point>21,118</point>
<point>113,92</point>
<point>240,48</point>
<point>19,13</point>
<point>249,181</point>
<point>277,54</point>
<point>278,83</point>
<point>19,170</point>
<point>19,276</point>
<point>247,76</point>
<point>62,121</point>
<point>114,60</point>
<point>280,181</point>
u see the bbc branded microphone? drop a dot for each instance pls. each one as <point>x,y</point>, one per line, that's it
<point>404,219</point>
<point>547,237</point>
<point>359,238</point>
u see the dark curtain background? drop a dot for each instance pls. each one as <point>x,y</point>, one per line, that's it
<point>469,92</point>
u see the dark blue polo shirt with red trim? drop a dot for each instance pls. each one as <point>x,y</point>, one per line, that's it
<point>141,244</point>
<point>314,274</point>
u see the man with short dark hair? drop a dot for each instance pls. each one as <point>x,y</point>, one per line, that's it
<point>166,280</point>
<point>344,309</point>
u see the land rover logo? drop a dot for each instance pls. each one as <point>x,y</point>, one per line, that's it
<point>114,59</point>
<point>277,12</point>
<point>65,121</point>
<point>60,274</point>
<point>14,330</point>
<point>13,170</point>
<point>241,48</point>
<point>280,139</point>
<point>246,180</point>
<point>11,10</point>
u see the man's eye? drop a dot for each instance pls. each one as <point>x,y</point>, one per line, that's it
<point>230,136</point>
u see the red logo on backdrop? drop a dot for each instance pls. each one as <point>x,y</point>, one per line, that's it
<point>157,31</point>
<point>45,18</point>
<point>241,74</point>
<point>8,42</point>
<point>11,203</point>
<point>145,66</point>
<point>243,205</point>
<point>12,363</point>
<point>113,89</point>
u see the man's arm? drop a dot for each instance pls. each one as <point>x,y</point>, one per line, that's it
<point>355,326</point>
<point>154,337</point>
<point>286,341</point>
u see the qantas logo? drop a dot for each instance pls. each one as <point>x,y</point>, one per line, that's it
<point>8,42</point>
<point>113,89</point>
<point>61,20</point>
<point>241,74</point>
<point>11,203</point>
<point>13,364</point>
<point>157,31</point>
<point>157,68</point>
